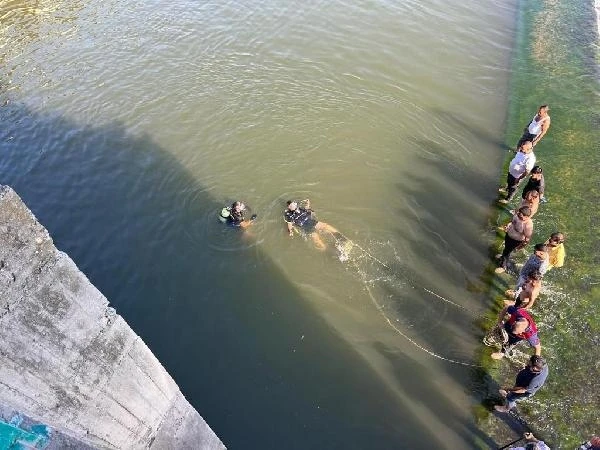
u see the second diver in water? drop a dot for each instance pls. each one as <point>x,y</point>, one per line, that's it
<point>299,214</point>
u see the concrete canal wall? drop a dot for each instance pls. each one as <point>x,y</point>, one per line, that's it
<point>70,361</point>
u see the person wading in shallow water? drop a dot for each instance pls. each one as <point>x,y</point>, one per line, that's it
<point>302,216</point>
<point>592,444</point>
<point>518,168</point>
<point>535,183</point>
<point>531,199</point>
<point>518,234</point>
<point>519,325</point>
<point>538,262</point>
<point>525,295</point>
<point>537,128</point>
<point>529,380</point>
<point>556,250</point>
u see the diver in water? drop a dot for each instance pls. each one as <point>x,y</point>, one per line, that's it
<point>300,215</point>
<point>235,215</point>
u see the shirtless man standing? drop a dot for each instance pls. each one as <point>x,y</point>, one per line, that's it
<point>518,234</point>
<point>526,295</point>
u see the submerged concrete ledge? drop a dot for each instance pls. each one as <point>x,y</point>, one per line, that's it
<point>70,361</point>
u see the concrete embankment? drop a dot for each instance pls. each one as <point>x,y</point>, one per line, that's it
<point>70,361</point>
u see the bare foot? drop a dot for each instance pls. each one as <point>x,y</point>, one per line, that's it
<point>319,244</point>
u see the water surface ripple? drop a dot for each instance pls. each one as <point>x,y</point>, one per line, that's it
<point>127,125</point>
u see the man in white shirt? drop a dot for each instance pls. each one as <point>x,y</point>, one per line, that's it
<point>518,169</point>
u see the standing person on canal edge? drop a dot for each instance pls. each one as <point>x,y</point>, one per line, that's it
<point>518,234</point>
<point>537,128</point>
<point>519,326</point>
<point>300,215</point>
<point>526,295</point>
<point>536,182</point>
<point>556,250</point>
<point>518,168</point>
<point>538,262</point>
<point>529,380</point>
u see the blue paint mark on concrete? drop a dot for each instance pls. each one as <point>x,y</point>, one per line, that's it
<point>13,437</point>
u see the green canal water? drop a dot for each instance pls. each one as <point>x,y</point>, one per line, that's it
<point>127,125</point>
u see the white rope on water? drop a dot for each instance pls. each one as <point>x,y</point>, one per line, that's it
<point>380,309</point>
<point>408,338</point>
<point>446,300</point>
<point>389,268</point>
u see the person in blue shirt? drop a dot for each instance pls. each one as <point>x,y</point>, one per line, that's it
<point>529,380</point>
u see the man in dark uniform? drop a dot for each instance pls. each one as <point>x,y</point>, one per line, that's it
<point>301,216</point>
<point>236,216</point>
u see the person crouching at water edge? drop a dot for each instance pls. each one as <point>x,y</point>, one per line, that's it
<point>301,216</point>
<point>519,325</point>
<point>528,381</point>
<point>235,215</point>
<point>518,168</point>
<point>518,234</point>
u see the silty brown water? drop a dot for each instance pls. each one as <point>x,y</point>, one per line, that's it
<point>130,124</point>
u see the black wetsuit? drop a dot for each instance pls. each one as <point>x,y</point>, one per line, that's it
<point>235,217</point>
<point>302,218</point>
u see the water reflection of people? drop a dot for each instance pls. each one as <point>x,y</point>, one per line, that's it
<point>300,215</point>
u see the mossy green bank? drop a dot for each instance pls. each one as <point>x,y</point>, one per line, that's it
<point>556,62</point>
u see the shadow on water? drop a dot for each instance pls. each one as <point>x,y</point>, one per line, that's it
<point>245,348</point>
<point>449,198</point>
<point>418,386</point>
<point>455,119</point>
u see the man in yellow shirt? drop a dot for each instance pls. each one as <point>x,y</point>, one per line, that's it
<point>556,250</point>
